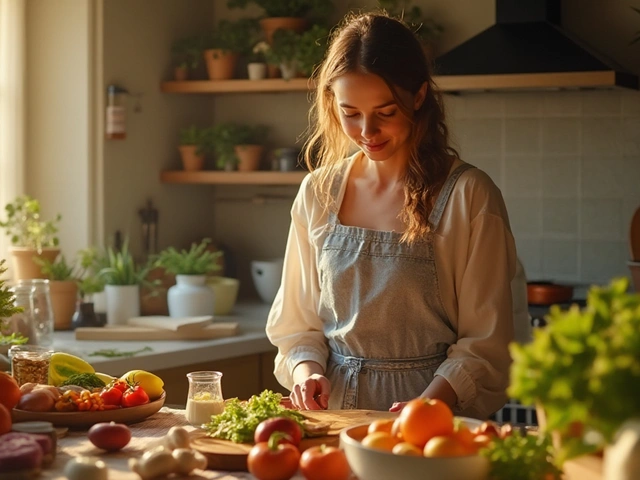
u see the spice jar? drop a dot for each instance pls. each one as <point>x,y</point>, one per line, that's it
<point>30,363</point>
<point>41,428</point>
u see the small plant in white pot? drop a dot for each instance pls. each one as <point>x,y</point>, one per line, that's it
<point>30,236</point>
<point>257,66</point>
<point>190,296</point>
<point>122,277</point>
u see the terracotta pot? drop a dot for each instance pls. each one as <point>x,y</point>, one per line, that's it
<point>271,24</point>
<point>64,295</point>
<point>24,268</point>
<point>221,64</point>
<point>181,73</point>
<point>547,293</point>
<point>191,160</point>
<point>249,157</point>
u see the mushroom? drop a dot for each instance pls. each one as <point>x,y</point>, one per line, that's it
<point>81,468</point>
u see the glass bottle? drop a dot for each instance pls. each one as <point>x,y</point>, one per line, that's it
<point>204,398</point>
<point>42,311</point>
<point>21,324</point>
<point>115,125</point>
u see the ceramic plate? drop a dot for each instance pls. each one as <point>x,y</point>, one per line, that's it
<point>86,419</point>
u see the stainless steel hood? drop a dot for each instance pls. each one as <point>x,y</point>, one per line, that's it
<point>527,49</point>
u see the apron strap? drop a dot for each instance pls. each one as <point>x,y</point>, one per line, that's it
<point>445,193</point>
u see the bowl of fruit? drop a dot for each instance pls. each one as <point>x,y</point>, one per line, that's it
<point>424,442</point>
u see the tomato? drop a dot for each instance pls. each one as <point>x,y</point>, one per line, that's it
<point>381,425</point>
<point>441,446</point>
<point>463,435</point>
<point>380,441</point>
<point>405,448</point>
<point>422,419</point>
<point>323,462</point>
<point>119,384</point>
<point>134,396</point>
<point>109,436</point>
<point>5,420</point>
<point>273,460</point>
<point>9,391</point>
<point>111,395</point>
<point>279,424</point>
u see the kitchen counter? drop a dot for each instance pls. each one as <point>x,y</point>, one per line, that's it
<point>75,443</point>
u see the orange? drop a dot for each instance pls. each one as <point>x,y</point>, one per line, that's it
<point>5,420</point>
<point>441,446</point>
<point>9,391</point>
<point>464,436</point>
<point>422,419</point>
<point>395,429</point>
<point>380,441</point>
<point>404,448</point>
<point>381,425</point>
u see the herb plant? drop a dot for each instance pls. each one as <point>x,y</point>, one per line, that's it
<point>237,36</point>
<point>284,48</point>
<point>225,136</point>
<point>24,226</point>
<point>187,52</point>
<point>427,29</point>
<point>311,50</point>
<point>92,261</point>
<point>193,135</point>
<point>286,8</point>
<point>121,268</point>
<point>584,368</point>
<point>7,299</point>
<point>195,261</point>
<point>58,270</point>
<point>239,420</point>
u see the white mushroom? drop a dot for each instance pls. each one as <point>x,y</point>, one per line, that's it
<point>81,468</point>
<point>189,460</point>
<point>177,437</point>
<point>154,464</point>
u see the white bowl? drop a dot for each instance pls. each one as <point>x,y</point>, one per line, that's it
<point>369,464</point>
<point>225,292</point>
<point>267,275</point>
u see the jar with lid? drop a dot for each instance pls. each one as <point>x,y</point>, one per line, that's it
<point>30,363</point>
<point>116,113</point>
<point>43,319</point>
<point>40,428</point>
<point>21,324</point>
<point>204,398</point>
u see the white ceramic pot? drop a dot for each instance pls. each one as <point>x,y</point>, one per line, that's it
<point>267,275</point>
<point>123,303</point>
<point>257,71</point>
<point>289,70</point>
<point>190,297</point>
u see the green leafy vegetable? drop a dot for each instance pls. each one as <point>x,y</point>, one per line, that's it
<point>239,420</point>
<point>113,352</point>
<point>84,380</point>
<point>13,339</point>
<point>584,368</point>
<point>525,457</point>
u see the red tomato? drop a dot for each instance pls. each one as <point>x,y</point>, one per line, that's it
<point>279,424</point>
<point>322,462</point>
<point>272,460</point>
<point>111,395</point>
<point>134,396</point>
<point>119,384</point>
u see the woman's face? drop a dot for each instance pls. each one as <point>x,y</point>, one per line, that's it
<point>371,117</point>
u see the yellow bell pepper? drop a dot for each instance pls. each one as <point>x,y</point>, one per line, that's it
<point>63,365</point>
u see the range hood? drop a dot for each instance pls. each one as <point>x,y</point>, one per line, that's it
<point>527,49</point>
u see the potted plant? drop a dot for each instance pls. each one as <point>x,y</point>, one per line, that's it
<point>223,46</point>
<point>290,15</point>
<point>312,47</point>
<point>257,66</point>
<point>193,142</point>
<point>122,278</point>
<point>91,305</point>
<point>583,371</point>
<point>63,289</point>
<point>238,145</point>
<point>187,56</point>
<point>284,52</point>
<point>30,236</point>
<point>190,296</point>
<point>8,308</point>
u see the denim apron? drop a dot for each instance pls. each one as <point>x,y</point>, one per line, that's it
<point>386,326</point>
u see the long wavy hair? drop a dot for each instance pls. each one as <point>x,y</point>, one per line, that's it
<point>378,44</point>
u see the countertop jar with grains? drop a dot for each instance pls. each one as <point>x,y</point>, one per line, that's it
<point>30,363</point>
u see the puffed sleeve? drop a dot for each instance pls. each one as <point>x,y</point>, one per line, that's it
<point>477,365</point>
<point>293,324</point>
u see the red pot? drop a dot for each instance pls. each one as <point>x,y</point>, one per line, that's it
<point>548,293</point>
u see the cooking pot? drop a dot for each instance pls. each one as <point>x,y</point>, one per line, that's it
<point>548,293</point>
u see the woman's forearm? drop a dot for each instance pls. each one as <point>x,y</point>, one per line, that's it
<point>304,370</point>
<point>441,389</point>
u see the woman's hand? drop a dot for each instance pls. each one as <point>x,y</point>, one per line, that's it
<point>397,406</point>
<point>312,393</point>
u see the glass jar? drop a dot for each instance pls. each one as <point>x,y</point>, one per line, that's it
<point>43,319</point>
<point>204,398</point>
<point>21,324</point>
<point>30,363</point>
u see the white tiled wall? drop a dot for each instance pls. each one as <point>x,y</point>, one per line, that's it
<point>568,165</point>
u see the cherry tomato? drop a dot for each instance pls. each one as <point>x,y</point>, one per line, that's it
<point>134,396</point>
<point>111,395</point>
<point>273,460</point>
<point>323,462</point>
<point>279,424</point>
<point>119,384</point>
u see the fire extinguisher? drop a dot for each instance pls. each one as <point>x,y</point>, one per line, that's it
<point>115,125</point>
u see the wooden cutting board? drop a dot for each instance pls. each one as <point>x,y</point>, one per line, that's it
<point>227,455</point>
<point>170,323</point>
<point>120,333</point>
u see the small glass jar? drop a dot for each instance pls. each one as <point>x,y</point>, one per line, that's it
<point>41,428</point>
<point>42,310</point>
<point>30,363</point>
<point>204,398</point>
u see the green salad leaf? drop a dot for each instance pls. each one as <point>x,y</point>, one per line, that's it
<point>239,420</point>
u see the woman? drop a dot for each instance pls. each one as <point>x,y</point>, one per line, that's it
<point>396,282</point>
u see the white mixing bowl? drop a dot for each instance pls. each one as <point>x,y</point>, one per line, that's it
<point>267,275</point>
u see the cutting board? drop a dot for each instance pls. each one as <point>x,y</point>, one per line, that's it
<point>120,333</point>
<point>170,323</point>
<point>227,455</point>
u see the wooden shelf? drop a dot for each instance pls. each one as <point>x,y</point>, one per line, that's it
<point>211,177</point>
<point>238,86</point>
